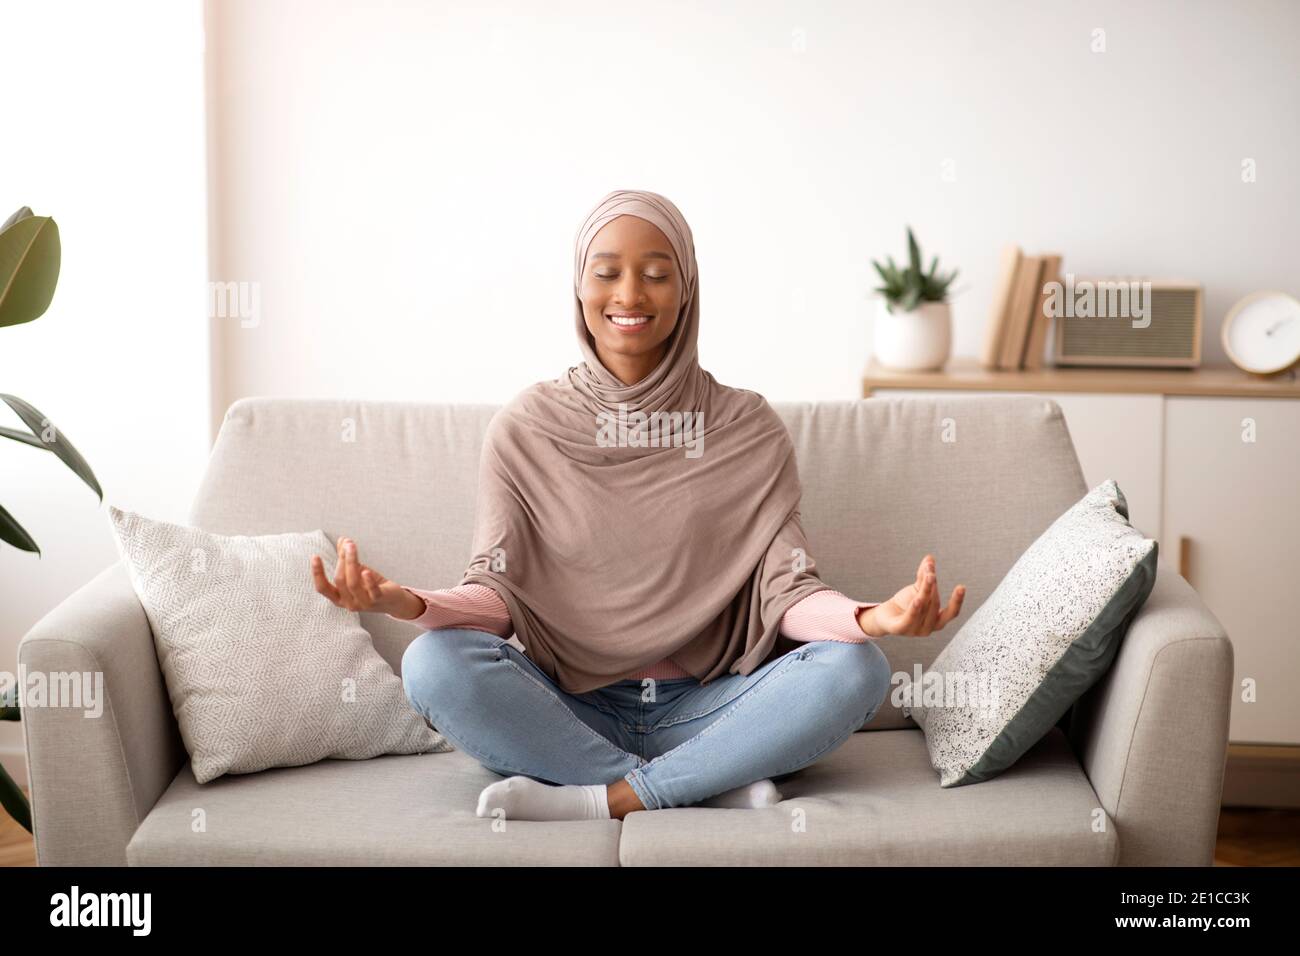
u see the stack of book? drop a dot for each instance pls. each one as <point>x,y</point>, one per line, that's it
<point>1017,331</point>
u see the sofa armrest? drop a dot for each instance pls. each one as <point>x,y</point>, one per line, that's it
<point>96,772</point>
<point>1152,734</point>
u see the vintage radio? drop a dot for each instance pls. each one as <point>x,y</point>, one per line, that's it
<point>1126,321</point>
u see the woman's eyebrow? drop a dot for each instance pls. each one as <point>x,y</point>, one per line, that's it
<point>648,255</point>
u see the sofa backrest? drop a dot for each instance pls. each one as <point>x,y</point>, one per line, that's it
<point>972,480</point>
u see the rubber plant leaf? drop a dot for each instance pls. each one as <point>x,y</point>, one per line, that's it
<point>58,444</point>
<point>14,533</point>
<point>29,267</point>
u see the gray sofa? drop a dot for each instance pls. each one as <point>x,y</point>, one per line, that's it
<point>1131,776</point>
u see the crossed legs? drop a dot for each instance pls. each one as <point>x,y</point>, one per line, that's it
<point>489,700</point>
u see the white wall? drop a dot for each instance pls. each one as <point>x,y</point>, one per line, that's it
<point>404,180</point>
<point>101,127</point>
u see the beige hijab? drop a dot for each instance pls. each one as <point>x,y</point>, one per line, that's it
<point>616,547</point>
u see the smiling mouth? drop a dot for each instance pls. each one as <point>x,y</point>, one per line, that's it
<point>629,323</point>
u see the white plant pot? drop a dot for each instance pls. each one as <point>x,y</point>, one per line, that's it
<point>916,341</point>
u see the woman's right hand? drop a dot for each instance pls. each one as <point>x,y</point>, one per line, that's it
<point>359,588</point>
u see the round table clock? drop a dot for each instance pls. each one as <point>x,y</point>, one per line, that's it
<point>1261,333</point>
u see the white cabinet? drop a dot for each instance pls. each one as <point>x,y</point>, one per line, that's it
<point>1226,507</point>
<point>1232,509</point>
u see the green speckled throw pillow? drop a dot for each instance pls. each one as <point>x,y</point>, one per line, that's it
<point>1045,635</point>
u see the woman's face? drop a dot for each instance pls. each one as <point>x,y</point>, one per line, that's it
<point>631,274</point>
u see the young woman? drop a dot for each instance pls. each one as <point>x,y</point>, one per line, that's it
<point>638,532</point>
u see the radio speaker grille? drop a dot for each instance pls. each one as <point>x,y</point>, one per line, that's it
<point>1172,338</point>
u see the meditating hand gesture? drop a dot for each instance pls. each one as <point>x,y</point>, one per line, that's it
<point>915,609</point>
<point>359,588</point>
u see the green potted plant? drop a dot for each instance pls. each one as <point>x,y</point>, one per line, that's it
<point>913,327</point>
<point>29,271</point>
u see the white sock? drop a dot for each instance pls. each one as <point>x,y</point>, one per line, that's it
<point>760,793</point>
<point>523,798</point>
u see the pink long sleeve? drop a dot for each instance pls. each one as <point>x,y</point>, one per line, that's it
<point>825,616</point>
<point>475,606</point>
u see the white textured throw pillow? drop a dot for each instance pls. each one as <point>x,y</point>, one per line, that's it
<point>1048,631</point>
<point>262,670</point>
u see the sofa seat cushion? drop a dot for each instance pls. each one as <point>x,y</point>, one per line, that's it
<point>401,810</point>
<point>876,801</point>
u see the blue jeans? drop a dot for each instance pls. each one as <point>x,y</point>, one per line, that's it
<point>675,741</point>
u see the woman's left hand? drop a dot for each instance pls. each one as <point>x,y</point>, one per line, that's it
<point>915,609</point>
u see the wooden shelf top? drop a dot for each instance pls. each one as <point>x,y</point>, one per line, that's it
<point>967,374</point>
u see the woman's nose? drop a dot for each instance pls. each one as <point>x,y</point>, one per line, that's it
<point>629,292</point>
